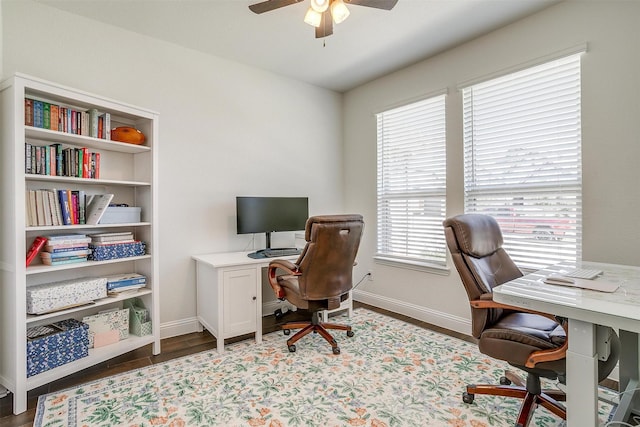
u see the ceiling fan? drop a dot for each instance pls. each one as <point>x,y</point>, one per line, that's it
<point>323,13</point>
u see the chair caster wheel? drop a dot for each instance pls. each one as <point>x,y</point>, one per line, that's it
<point>467,397</point>
<point>286,331</point>
<point>292,348</point>
<point>350,334</point>
<point>336,350</point>
<point>505,381</point>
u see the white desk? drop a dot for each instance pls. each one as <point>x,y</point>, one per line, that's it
<point>229,294</point>
<point>585,310</point>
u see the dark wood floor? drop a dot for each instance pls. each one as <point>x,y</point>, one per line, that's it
<point>171,348</point>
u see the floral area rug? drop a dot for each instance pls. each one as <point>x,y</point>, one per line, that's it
<point>390,374</point>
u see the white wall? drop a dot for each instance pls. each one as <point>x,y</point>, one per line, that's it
<point>611,140</point>
<point>225,130</point>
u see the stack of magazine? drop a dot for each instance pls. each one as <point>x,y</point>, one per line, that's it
<point>125,283</point>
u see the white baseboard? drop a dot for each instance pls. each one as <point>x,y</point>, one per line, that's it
<point>437,318</point>
<point>179,327</point>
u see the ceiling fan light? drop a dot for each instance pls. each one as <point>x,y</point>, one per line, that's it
<point>339,11</point>
<point>313,18</point>
<point>319,5</point>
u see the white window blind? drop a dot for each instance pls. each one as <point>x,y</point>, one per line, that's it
<point>522,149</point>
<point>412,182</point>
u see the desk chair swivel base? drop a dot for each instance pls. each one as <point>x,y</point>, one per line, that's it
<point>315,326</point>
<point>531,394</point>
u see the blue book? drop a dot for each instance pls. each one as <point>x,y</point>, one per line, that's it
<point>38,114</point>
<point>123,280</point>
<point>66,212</point>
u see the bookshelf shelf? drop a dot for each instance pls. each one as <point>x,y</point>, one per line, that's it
<point>126,170</point>
<point>85,181</point>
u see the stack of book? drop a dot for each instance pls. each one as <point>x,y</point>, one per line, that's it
<point>65,249</point>
<point>111,238</point>
<point>125,283</point>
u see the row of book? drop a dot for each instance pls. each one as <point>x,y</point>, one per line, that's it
<point>51,207</point>
<point>73,248</point>
<point>55,160</point>
<point>46,115</point>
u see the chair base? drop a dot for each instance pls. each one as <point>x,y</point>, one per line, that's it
<point>316,326</point>
<point>548,398</point>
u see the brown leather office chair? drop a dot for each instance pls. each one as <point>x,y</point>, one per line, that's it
<point>321,278</point>
<point>533,342</point>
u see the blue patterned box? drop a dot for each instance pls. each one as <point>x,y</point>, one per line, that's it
<point>116,250</point>
<point>50,346</point>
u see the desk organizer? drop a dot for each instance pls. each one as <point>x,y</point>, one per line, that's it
<point>118,250</point>
<point>107,327</point>
<point>139,320</point>
<point>50,346</point>
<point>49,297</point>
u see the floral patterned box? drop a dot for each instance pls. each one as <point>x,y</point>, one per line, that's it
<point>101,325</point>
<point>54,296</point>
<point>102,252</point>
<point>50,346</point>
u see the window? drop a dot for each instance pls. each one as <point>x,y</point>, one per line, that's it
<point>522,156</point>
<point>412,183</point>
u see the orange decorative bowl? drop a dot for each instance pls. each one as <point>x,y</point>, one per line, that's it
<point>127,134</point>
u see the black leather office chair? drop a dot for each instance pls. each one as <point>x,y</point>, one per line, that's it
<point>321,278</point>
<point>533,342</point>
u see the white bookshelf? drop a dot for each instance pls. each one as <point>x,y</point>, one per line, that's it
<point>126,170</point>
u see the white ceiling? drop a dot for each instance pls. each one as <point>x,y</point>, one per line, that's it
<point>369,44</point>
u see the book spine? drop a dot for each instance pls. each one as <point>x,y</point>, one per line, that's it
<point>58,249</point>
<point>75,217</point>
<point>97,168</point>
<point>64,207</point>
<point>28,112</point>
<point>37,244</point>
<point>125,283</point>
<point>27,157</point>
<point>107,126</point>
<point>100,126</point>
<point>57,149</point>
<point>46,115</point>
<point>65,255</point>
<point>55,112</point>
<point>38,114</point>
<point>47,261</point>
<point>82,200</point>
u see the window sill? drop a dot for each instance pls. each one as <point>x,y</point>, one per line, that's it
<point>412,265</point>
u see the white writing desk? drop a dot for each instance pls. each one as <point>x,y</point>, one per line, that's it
<point>585,310</point>
<point>229,294</point>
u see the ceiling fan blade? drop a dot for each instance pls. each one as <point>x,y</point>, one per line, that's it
<point>378,4</point>
<point>269,5</point>
<point>326,25</point>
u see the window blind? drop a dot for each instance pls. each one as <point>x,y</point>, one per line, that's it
<point>411,185</point>
<point>522,158</point>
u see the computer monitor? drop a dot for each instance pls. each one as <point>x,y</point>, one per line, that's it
<point>271,214</point>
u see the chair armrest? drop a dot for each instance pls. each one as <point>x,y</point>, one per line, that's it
<point>285,265</point>
<point>486,301</point>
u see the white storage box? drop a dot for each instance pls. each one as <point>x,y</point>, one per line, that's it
<point>120,215</point>
<point>60,295</point>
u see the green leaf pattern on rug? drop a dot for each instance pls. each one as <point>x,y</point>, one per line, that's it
<point>390,374</point>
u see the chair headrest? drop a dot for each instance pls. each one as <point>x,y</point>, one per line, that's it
<point>326,219</point>
<point>485,239</point>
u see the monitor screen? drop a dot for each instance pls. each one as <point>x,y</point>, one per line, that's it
<point>268,214</point>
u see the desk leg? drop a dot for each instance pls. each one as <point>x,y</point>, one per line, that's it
<point>629,374</point>
<point>582,374</point>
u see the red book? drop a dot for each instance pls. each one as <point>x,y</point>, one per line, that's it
<point>28,112</point>
<point>37,244</point>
